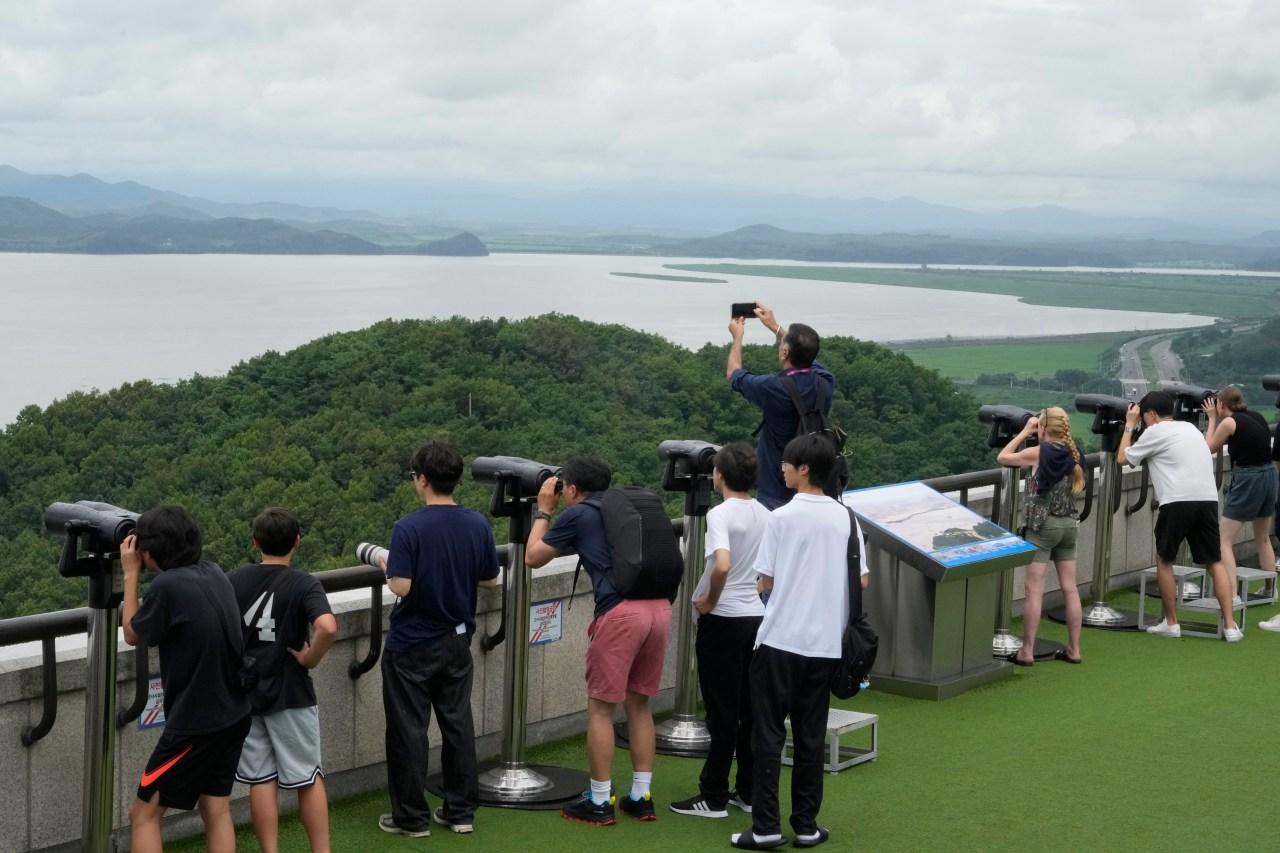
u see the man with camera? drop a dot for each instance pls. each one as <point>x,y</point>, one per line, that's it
<point>1182,474</point>
<point>190,615</point>
<point>626,646</point>
<point>772,394</point>
<point>439,555</point>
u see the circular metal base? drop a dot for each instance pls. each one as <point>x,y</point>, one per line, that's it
<point>1005,645</point>
<point>535,787</point>
<point>1044,650</point>
<point>1121,620</point>
<point>692,739</point>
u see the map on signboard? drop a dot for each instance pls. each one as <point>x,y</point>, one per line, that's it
<point>934,524</point>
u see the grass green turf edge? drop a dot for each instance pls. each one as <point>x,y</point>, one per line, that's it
<point>1152,744</point>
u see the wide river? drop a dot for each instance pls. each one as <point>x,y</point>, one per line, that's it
<point>76,322</point>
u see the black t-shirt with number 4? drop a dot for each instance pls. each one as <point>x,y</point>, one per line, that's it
<point>277,611</point>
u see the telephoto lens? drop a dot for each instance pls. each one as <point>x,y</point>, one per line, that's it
<point>372,555</point>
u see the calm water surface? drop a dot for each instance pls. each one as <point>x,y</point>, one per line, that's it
<point>76,322</point>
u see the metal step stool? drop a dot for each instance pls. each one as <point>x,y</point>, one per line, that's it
<point>1245,575</point>
<point>1208,604</point>
<point>1182,576</point>
<point>840,722</point>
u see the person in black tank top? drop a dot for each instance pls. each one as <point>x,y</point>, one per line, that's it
<point>1252,496</point>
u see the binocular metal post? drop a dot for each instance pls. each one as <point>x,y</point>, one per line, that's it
<point>100,727</point>
<point>511,781</point>
<point>683,733</point>
<point>1004,644</point>
<point>1101,614</point>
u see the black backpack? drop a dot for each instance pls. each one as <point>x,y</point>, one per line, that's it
<point>859,643</point>
<point>643,552</point>
<point>815,420</point>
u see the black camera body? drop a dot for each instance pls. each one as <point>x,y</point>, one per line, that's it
<point>1188,401</point>
<point>1006,422</point>
<point>1108,417</point>
<point>98,528</point>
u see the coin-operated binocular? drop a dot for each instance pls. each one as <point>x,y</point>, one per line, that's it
<point>689,464</point>
<point>1006,422</point>
<point>1108,418</point>
<point>1188,401</point>
<point>97,529</point>
<point>515,481</point>
<point>1271,382</point>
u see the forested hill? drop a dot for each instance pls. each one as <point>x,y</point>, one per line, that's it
<point>327,430</point>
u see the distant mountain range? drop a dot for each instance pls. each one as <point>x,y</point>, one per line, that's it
<point>80,213</point>
<point>29,227</point>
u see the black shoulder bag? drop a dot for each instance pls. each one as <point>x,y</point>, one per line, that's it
<point>859,643</point>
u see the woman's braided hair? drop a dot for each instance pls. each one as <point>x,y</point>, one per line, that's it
<point>1057,426</point>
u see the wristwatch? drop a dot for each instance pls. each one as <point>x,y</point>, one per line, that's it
<point>541,515</point>
<point>1131,429</point>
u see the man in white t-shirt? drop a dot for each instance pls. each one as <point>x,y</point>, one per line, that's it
<point>1181,469</point>
<point>803,565</point>
<point>728,609</point>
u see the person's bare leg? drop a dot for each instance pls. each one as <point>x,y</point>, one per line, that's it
<point>600,739</point>
<point>313,808</point>
<point>640,732</point>
<point>264,808</point>
<point>1228,530</point>
<point>1262,538</point>
<point>1224,591</point>
<point>1033,585</point>
<point>1071,602</point>
<point>144,825</point>
<point>1168,590</point>
<point>219,831</point>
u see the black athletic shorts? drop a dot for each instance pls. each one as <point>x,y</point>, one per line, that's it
<point>1194,521</point>
<point>183,767</point>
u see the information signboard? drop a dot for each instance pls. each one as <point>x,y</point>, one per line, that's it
<point>935,533</point>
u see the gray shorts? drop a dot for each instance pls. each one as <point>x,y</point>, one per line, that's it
<point>1056,540</point>
<point>1252,494</point>
<point>284,746</point>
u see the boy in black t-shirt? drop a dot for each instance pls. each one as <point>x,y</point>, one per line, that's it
<point>190,615</point>
<point>280,605</point>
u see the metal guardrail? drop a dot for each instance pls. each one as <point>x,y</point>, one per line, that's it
<point>45,628</point>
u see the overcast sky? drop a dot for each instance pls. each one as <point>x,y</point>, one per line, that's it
<point>1165,107</point>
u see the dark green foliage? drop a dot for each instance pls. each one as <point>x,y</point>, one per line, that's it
<point>327,430</point>
<point>1215,356</point>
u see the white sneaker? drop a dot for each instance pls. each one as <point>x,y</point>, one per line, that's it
<point>1235,600</point>
<point>1233,635</point>
<point>1164,629</point>
<point>1272,624</point>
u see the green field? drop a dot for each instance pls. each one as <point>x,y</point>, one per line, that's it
<point>655,277</point>
<point>1035,400</point>
<point>1216,296</point>
<point>1153,744</point>
<point>964,362</point>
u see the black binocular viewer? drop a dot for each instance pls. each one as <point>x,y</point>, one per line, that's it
<point>98,527</point>
<point>530,475</point>
<point>690,457</point>
<point>1006,422</point>
<point>1271,382</point>
<point>1188,400</point>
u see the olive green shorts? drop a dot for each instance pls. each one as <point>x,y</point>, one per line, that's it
<point>1056,540</point>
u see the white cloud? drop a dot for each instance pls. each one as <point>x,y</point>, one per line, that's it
<point>1149,106</point>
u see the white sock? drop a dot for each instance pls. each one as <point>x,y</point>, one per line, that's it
<point>600,791</point>
<point>758,839</point>
<point>640,784</point>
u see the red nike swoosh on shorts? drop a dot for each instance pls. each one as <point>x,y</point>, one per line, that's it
<point>149,779</point>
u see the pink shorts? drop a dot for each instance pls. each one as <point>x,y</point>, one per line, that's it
<point>625,649</point>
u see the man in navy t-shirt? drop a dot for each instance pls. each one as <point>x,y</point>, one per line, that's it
<point>626,645</point>
<point>797,349</point>
<point>439,556</point>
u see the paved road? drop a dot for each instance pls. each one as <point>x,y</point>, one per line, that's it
<point>1168,364</point>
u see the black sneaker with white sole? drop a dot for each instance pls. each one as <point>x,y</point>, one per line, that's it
<point>699,806</point>
<point>386,824</point>
<point>462,826</point>
<point>738,801</point>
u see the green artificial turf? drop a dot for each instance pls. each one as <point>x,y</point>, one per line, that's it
<point>1152,744</point>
